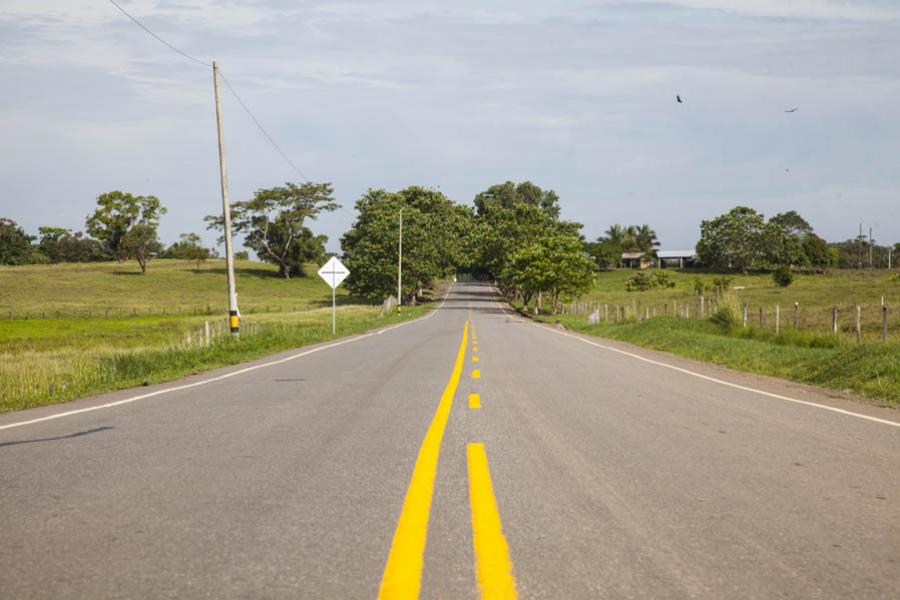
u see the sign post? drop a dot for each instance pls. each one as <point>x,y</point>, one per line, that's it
<point>333,272</point>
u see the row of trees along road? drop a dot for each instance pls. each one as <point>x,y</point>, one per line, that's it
<point>513,235</point>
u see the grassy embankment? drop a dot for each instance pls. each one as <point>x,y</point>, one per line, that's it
<point>811,354</point>
<point>45,359</point>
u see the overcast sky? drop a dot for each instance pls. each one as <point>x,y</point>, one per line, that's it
<point>574,96</point>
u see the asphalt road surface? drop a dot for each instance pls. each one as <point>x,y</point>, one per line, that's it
<point>367,468</point>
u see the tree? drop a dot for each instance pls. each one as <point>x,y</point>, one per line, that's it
<point>435,231</point>
<point>509,194</point>
<point>117,213</point>
<point>274,224</point>
<point>605,252</point>
<point>792,224</point>
<point>48,243</point>
<point>15,245</point>
<point>817,251</point>
<point>645,240</point>
<point>188,247</point>
<point>141,244</point>
<point>735,240</point>
<point>556,264</point>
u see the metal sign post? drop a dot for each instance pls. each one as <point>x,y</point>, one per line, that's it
<point>333,272</point>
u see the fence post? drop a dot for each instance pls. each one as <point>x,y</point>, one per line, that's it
<point>884,316</point>
<point>796,314</point>
<point>666,309</point>
<point>777,319</point>
<point>834,320</point>
<point>858,324</point>
<point>762,321</point>
<point>701,306</point>
<point>606,313</point>
<point>744,313</point>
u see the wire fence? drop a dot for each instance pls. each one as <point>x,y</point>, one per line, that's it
<point>863,321</point>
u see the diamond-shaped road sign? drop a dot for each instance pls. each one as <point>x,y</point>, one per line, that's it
<point>334,272</point>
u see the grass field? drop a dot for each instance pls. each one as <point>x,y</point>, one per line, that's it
<point>45,359</point>
<point>170,287</point>
<point>817,295</point>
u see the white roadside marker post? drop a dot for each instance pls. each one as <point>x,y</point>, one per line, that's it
<point>333,272</point>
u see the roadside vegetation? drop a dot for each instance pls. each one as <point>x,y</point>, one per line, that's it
<point>869,369</point>
<point>45,359</point>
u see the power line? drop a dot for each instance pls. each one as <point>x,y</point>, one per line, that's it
<point>170,46</point>
<point>227,84</point>
<point>261,128</point>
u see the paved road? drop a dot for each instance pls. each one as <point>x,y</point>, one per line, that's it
<point>585,473</point>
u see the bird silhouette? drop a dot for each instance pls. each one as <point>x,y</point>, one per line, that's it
<point>677,97</point>
<point>791,110</point>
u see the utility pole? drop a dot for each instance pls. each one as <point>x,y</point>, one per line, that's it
<point>860,239</point>
<point>870,248</point>
<point>233,318</point>
<point>400,262</point>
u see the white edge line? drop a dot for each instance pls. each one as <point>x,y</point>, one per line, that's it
<point>713,379</point>
<point>226,375</point>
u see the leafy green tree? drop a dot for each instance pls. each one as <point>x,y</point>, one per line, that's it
<point>15,244</point>
<point>141,244</point>
<point>817,252</point>
<point>735,240</point>
<point>189,248</point>
<point>117,213</point>
<point>48,241</point>
<point>792,224</point>
<point>556,264</point>
<point>274,224</point>
<point>605,252</point>
<point>435,231</point>
<point>509,194</point>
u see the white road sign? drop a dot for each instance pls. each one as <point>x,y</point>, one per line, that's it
<point>334,272</point>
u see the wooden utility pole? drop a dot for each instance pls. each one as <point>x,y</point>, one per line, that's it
<point>400,262</point>
<point>233,318</point>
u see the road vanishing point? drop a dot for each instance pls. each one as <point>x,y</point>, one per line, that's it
<point>467,454</point>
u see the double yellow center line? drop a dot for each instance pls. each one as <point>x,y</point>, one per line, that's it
<point>493,568</point>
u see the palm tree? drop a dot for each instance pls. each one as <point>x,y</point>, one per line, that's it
<point>645,239</point>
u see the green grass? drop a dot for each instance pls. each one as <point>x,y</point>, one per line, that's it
<point>169,287</point>
<point>870,369</point>
<point>46,359</point>
<point>817,295</point>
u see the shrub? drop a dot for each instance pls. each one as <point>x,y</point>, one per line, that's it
<point>782,275</point>
<point>724,282</point>
<point>699,286</point>
<point>725,319</point>
<point>643,281</point>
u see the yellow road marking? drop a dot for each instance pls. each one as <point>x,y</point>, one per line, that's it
<point>474,401</point>
<point>474,348</point>
<point>475,359</point>
<point>476,374</point>
<point>493,567</point>
<point>403,571</point>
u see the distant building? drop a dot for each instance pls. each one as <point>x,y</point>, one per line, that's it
<point>636,260</point>
<point>675,259</point>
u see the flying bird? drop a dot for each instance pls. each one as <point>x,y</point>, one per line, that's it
<point>791,110</point>
<point>677,97</point>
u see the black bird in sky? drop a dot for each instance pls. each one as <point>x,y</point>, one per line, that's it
<point>677,97</point>
<point>791,110</point>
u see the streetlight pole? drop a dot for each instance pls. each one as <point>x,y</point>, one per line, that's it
<point>233,320</point>
<point>400,262</point>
